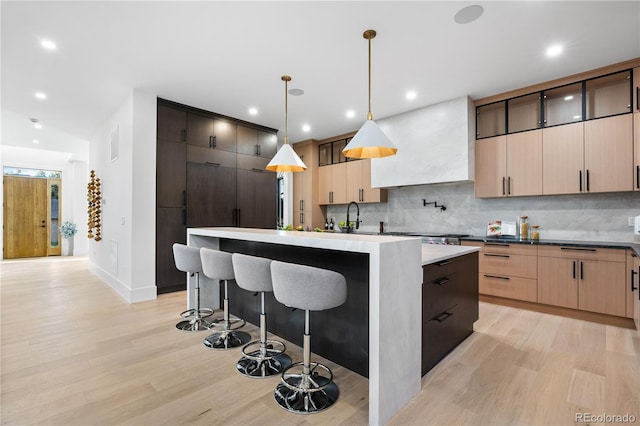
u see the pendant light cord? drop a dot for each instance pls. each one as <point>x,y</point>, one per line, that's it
<point>369,114</point>
<point>286,80</point>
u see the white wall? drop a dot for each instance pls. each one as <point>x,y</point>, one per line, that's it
<point>73,185</point>
<point>125,257</point>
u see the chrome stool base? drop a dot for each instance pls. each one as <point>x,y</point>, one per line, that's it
<point>234,323</point>
<point>194,324</point>
<point>303,393</point>
<point>264,361</point>
<point>227,339</point>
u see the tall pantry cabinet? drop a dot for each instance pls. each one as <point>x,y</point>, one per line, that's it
<point>210,171</point>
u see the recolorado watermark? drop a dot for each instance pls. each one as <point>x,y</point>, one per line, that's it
<point>605,418</point>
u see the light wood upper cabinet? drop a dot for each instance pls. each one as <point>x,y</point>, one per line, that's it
<point>562,159</point>
<point>491,167</point>
<point>524,163</point>
<point>509,165</point>
<point>608,153</point>
<point>332,184</point>
<point>359,183</point>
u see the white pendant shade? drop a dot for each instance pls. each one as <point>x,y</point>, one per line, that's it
<point>369,142</point>
<point>286,160</point>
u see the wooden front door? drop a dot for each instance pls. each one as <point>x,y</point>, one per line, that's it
<point>25,217</point>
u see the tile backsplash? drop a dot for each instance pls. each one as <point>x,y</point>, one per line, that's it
<point>591,217</point>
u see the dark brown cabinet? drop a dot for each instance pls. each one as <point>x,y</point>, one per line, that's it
<point>449,306</point>
<point>209,172</point>
<point>211,195</point>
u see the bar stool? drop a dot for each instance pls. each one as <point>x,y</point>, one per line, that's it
<point>263,357</point>
<point>217,265</point>
<point>302,388</point>
<point>187,259</point>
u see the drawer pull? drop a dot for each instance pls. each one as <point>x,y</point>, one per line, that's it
<point>212,164</point>
<point>633,275</point>
<point>497,276</point>
<point>444,262</point>
<point>497,244</point>
<point>506,256</point>
<point>577,249</point>
<point>441,281</point>
<point>443,316</point>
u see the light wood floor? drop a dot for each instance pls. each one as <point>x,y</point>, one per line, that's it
<point>74,353</point>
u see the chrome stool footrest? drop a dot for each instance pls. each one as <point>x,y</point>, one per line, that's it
<point>265,361</point>
<point>194,313</point>
<point>302,393</point>
<point>193,324</point>
<point>227,339</point>
<point>233,323</point>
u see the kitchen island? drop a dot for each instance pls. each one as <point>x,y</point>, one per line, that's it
<point>381,321</point>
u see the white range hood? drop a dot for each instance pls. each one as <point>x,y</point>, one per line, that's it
<point>435,145</point>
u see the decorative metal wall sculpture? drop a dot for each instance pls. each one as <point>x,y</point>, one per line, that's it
<point>94,210</point>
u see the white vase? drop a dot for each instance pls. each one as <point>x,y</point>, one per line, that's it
<point>67,249</point>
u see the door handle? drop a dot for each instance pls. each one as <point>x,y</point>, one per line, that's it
<point>633,274</point>
<point>212,142</point>
<point>509,186</point>
<point>587,180</point>
<point>581,270</point>
<point>580,180</point>
<point>503,181</point>
<point>574,269</point>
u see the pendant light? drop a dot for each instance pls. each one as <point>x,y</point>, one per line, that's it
<point>286,159</point>
<point>370,141</point>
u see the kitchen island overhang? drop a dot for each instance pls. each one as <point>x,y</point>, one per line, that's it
<point>394,275</point>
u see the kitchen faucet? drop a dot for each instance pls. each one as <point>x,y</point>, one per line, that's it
<point>349,229</point>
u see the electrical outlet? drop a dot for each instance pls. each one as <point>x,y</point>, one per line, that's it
<point>630,221</point>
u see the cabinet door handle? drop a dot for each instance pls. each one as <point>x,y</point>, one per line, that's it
<point>441,281</point>
<point>497,244</point>
<point>301,218</point>
<point>580,180</point>
<point>506,256</point>
<point>503,182</point>
<point>212,142</point>
<point>331,197</point>
<point>587,180</point>
<point>633,275</point>
<point>496,276</point>
<point>578,249</point>
<point>443,316</point>
<point>574,269</point>
<point>638,177</point>
<point>212,164</point>
<point>581,270</point>
<point>509,186</point>
<point>444,262</point>
<point>638,98</point>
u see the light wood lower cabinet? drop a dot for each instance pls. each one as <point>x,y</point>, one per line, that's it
<point>508,270</point>
<point>589,279</point>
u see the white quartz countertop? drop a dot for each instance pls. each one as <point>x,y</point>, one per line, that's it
<point>325,240</point>
<point>432,253</point>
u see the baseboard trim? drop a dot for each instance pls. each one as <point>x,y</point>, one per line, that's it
<point>130,295</point>
<point>565,312</point>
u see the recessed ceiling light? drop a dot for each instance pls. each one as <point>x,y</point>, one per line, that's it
<point>306,128</point>
<point>48,44</point>
<point>411,95</point>
<point>554,50</point>
<point>36,141</point>
<point>468,14</point>
<point>350,113</point>
<point>40,95</point>
<point>253,111</point>
<point>568,98</point>
<point>37,126</point>
<point>296,92</point>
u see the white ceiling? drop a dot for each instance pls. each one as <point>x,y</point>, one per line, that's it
<point>228,56</point>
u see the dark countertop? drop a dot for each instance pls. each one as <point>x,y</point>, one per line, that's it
<point>574,243</point>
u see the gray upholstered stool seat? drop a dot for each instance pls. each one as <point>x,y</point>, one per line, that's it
<point>187,259</point>
<point>263,357</point>
<point>307,387</point>
<point>217,265</point>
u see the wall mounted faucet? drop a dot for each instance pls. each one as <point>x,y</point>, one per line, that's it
<point>435,204</point>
